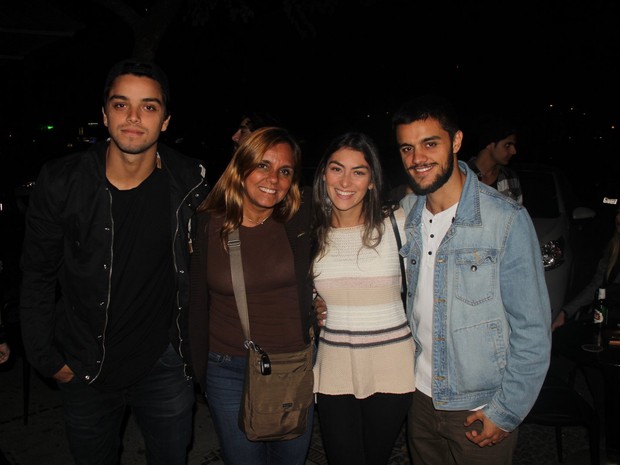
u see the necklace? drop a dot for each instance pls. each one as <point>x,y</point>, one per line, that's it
<point>257,223</point>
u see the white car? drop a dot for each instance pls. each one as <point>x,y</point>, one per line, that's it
<point>550,201</point>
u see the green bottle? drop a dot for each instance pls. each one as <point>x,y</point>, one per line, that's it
<point>600,310</point>
<point>600,317</point>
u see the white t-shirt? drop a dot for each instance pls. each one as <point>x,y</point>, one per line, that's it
<point>434,228</point>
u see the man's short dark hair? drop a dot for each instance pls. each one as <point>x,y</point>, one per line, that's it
<point>433,106</point>
<point>138,68</point>
<point>492,128</point>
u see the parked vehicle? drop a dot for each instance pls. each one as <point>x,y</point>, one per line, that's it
<point>561,223</point>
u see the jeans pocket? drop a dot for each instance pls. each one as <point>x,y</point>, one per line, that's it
<point>218,359</point>
<point>170,358</point>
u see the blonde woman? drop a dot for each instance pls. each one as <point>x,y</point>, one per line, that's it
<point>258,194</point>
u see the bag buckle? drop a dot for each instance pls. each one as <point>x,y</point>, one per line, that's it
<point>264,362</point>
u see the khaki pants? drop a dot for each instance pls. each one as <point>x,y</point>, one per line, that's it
<point>437,437</point>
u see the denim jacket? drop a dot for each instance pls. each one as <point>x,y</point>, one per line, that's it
<point>491,311</point>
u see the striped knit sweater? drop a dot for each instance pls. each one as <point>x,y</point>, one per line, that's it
<point>366,346</point>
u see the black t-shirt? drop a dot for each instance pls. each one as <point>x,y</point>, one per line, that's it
<point>142,283</point>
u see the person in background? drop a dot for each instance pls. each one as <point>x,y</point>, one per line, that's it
<point>363,374</point>
<point>258,194</point>
<point>607,275</point>
<point>482,344</point>
<point>396,194</point>
<point>497,144</point>
<point>251,121</point>
<point>111,228</point>
<point>5,350</point>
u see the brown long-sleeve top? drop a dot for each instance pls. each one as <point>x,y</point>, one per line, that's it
<point>276,261</point>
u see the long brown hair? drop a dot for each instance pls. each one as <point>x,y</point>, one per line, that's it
<point>372,208</point>
<point>226,197</point>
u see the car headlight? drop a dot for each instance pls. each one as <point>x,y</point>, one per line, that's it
<point>552,254</point>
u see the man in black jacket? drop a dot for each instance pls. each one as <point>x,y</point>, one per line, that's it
<point>105,287</point>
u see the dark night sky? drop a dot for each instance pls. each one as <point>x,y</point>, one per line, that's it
<point>520,58</point>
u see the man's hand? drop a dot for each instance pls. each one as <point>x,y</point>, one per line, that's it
<point>558,321</point>
<point>320,309</point>
<point>64,375</point>
<point>491,434</point>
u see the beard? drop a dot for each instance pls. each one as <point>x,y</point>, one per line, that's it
<point>441,179</point>
<point>133,148</point>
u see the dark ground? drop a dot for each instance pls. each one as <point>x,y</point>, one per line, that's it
<point>42,440</point>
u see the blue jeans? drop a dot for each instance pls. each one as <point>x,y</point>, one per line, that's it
<point>162,404</point>
<point>225,376</point>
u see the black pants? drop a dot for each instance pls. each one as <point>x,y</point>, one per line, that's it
<point>361,431</point>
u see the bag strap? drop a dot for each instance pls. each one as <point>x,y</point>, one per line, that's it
<point>403,286</point>
<point>236,273</point>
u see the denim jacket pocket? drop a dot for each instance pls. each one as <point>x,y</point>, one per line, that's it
<point>476,275</point>
<point>484,371</point>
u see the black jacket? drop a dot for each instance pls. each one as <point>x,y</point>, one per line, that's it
<point>68,248</point>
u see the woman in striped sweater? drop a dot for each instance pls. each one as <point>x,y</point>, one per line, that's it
<point>364,370</point>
